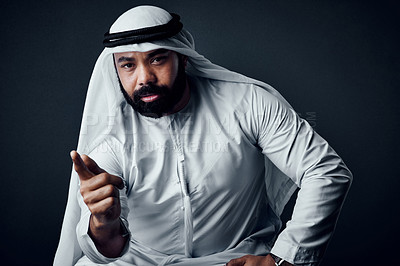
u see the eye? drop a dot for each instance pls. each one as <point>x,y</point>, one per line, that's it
<point>158,60</point>
<point>127,65</point>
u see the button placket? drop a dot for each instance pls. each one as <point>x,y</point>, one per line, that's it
<point>186,208</point>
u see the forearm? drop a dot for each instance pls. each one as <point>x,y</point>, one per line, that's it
<point>315,213</point>
<point>301,154</point>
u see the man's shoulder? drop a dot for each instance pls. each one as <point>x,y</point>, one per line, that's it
<point>238,95</point>
<point>223,86</point>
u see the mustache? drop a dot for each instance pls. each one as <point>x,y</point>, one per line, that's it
<point>149,89</point>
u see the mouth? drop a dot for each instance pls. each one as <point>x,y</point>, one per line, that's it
<point>150,98</point>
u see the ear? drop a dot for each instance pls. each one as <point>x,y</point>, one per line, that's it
<point>184,60</point>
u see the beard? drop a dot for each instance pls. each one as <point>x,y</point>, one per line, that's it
<point>164,104</point>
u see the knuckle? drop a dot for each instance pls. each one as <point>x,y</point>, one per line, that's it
<point>86,200</point>
<point>85,158</point>
<point>109,190</point>
<point>105,178</point>
<point>101,177</point>
<point>112,201</point>
<point>83,190</point>
<point>94,211</point>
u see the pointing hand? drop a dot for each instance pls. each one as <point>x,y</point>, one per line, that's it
<point>99,189</point>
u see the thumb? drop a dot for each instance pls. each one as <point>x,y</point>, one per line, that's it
<point>92,165</point>
<point>236,262</point>
<point>80,167</point>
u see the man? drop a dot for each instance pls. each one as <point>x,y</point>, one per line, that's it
<point>191,164</point>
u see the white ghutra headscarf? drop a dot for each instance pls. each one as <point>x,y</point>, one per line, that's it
<point>102,111</point>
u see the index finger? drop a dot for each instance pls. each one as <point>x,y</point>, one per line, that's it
<point>80,167</point>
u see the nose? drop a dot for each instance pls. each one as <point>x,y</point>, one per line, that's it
<point>145,75</point>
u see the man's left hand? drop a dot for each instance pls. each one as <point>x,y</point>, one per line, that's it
<point>250,260</point>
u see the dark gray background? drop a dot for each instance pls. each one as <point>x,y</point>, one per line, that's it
<point>336,62</point>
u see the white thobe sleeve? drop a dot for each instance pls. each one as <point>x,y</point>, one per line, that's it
<point>323,178</point>
<point>107,160</point>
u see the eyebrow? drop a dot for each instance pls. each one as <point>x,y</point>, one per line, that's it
<point>150,55</point>
<point>125,59</point>
<point>157,52</point>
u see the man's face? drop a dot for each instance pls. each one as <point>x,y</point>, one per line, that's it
<point>152,82</point>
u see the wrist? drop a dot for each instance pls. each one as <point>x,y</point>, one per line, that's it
<point>100,231</point>
<point>279,261</point>
<point>110,238</point>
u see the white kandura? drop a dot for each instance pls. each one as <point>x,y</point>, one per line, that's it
<point>206,184</point>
